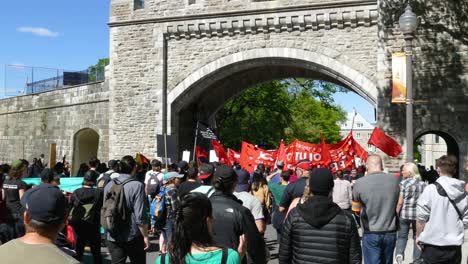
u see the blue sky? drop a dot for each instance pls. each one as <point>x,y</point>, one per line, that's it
<point>72,35</point>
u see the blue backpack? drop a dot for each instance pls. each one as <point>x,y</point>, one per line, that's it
<point>158,208</point>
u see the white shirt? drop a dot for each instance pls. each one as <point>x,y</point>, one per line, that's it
<point>150,173</point>
<point>443,225</point>
<point>342,193</point>
<point>252,203</point>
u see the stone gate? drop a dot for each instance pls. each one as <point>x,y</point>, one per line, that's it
<point>173,62</point>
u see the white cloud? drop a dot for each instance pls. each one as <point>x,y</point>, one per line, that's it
<point>38,31</point>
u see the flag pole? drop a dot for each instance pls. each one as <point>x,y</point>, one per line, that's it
<point>165,150</point>
<point>352,124</point>
<point>195,144</point>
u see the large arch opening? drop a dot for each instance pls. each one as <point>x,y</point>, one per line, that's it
<point>85,146</point>
<point>433,144</point>
<point>202,94</point>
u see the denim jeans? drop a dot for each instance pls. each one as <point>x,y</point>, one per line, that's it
<point>402,238</point>
<point>378,248</point>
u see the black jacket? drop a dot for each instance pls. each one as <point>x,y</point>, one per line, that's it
<point>232,220</point>
<point>318,231</point>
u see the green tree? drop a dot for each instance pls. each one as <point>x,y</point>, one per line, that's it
<point>281,109</point>
<point>96,72</point>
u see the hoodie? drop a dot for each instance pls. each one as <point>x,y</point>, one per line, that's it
<point>443,225</point>
<point>318,211</point>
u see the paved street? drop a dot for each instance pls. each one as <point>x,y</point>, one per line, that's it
<point>272,245</point>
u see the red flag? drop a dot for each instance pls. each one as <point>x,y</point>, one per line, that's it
<point>220,153</point>
<point>326,157</point>
<point>200,153</point>
<point>141,159</point>
<point>234,156</point>
<point>281,152</point>
<point>385,143</point>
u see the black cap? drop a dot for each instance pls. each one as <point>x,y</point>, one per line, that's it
<point>182,164</point>
<point>321,181</point>
<point>242,180</point>
<point>225,173</point>
<point>45,203</point>
<point>206,170</point>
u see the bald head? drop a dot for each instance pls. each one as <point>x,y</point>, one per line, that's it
<point>374,164</point>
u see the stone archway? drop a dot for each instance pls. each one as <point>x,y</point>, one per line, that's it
<point>205,91</point>
<point>435,147</point>
<point>85,146</point>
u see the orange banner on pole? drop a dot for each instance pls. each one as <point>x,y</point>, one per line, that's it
<point>399,78</point>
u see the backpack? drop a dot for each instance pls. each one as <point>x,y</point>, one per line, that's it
<point>114,213</point>
<point>153,185</point>
<point>84,212</point>
<point>104,180</point>
<point>158,209</point>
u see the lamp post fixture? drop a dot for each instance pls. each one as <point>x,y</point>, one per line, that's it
<point>408,24</point>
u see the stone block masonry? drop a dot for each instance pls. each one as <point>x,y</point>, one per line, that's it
<point>29,124</point>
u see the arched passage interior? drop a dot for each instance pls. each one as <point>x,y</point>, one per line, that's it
<point>436,143</point>
<point>204,92</point>
<point>85,146</point>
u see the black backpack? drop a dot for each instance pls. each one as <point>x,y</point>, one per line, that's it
<point>153,185</point>
<point>114,213</point>
<point>85,212</point>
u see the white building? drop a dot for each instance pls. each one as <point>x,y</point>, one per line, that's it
<point>432,147</point>
<point>362,129</point>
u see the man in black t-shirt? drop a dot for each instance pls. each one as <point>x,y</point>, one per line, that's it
<point>88,231</point>
<point>191,184</point>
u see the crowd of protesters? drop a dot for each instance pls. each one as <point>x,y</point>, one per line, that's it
<point>214,213</point>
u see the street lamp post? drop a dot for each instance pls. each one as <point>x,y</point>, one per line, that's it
<point>408,24</point>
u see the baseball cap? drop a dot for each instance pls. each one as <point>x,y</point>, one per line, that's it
<point>45,203</point>
<point>321,181</point>
<point>171,175</point>
<point>242,180</point>
<point>303,164</point>
<point>182,164</point>
<point>225,173</point>
<point>206,170</point>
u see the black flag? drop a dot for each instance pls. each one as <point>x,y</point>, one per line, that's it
<point>205,131</point>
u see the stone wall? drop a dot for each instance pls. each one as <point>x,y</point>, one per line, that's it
<point>440,69</point>
<point>344,35</point>
<point>29,124</point>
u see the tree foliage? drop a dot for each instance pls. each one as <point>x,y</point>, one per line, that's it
<point>281,109</point>
<point>96,72</point>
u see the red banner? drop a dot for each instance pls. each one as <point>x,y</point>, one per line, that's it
<point>338,156</point>
<point>233,155</point>
<point>251,156</point>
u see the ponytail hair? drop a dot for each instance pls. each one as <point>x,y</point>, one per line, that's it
<point>126,165</point>
<point>190,227</point>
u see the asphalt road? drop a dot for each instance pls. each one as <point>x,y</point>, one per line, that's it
<point>270,237</point>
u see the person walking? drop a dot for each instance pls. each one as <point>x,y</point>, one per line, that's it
<point>375,197</point>
<point>232,220</point>
<point>442,216</point>
<point>277,190</point>
<point>13,190</point>
<point>44,217</point>
<point>192,182</point>
<point>296,189</point>
<point>259,189</point>
<point>131,240</point>
<point>342,192</point>
<point>410,189</point>
<point>318,230</point>
<point>86,203</point>
<point>192,240</point>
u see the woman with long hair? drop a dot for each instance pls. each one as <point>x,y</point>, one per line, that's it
<point>259,189</point>
<point>411,187</point>
<point>192,240</point>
